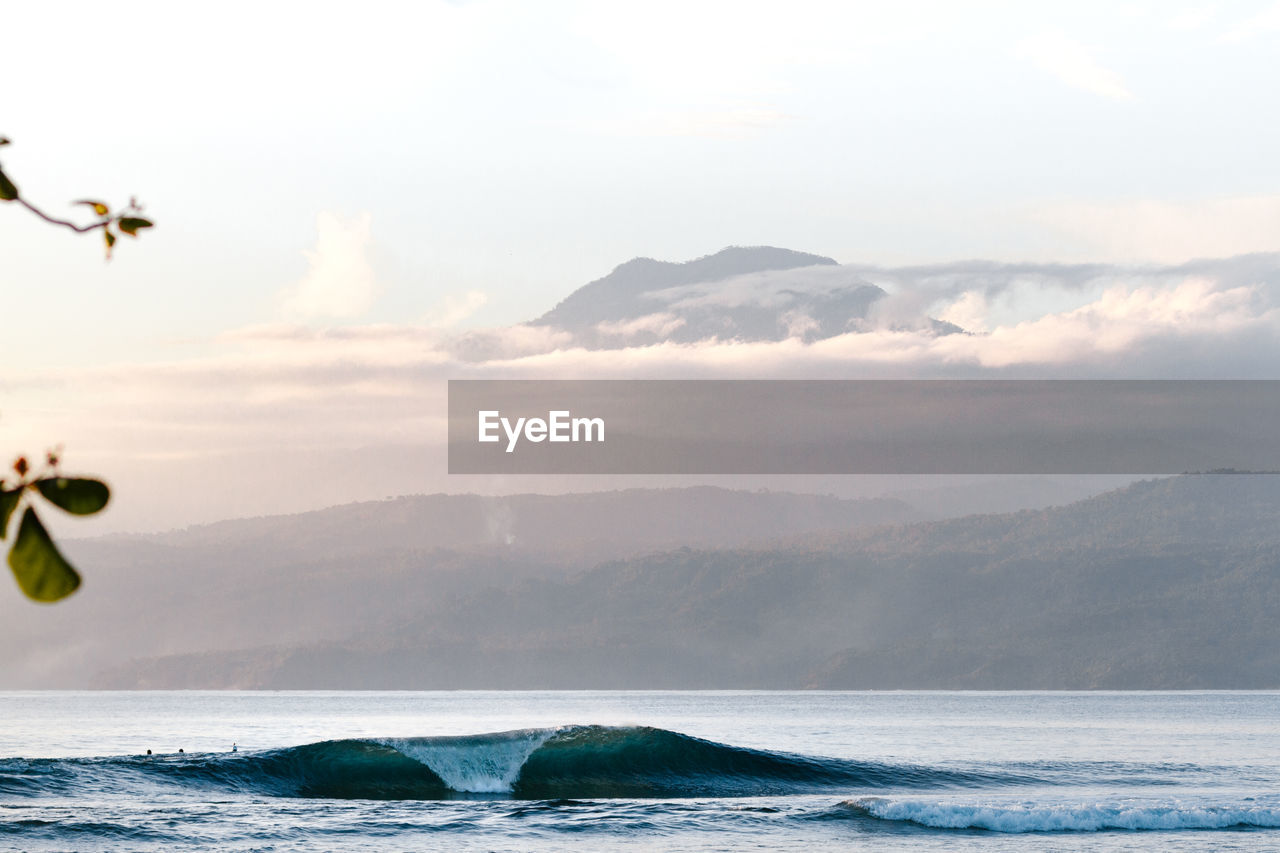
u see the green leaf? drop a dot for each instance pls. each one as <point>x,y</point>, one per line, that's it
<point>110,240</point>
<point>9,499</point>
<point>131,224</point>
<point>4,140</point>
<point>8,192</point>
<point>43,574</point>
<point>98,207</point>
<point>77,495</point>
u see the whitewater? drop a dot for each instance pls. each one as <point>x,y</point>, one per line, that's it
<point>646,770</point>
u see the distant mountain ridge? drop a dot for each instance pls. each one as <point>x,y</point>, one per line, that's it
<point>291,580</point>
<point>580,527</point>
<point>1169,584</point>
<point>751,293</point>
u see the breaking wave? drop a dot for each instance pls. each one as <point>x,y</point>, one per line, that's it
<point>1020,817</point>
<point>574,762</point>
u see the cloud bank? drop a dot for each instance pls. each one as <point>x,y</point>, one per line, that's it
<point>291,388</point>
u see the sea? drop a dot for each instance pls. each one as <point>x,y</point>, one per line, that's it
<point>661,771</point>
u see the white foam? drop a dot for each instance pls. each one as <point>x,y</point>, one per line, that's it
<point>1069,816</point>
<point>480,764</point>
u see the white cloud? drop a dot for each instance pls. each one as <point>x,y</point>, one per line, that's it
<point>480,346</point>
<point>265,384</point>
<point>768,289</point>
<point>969,312</point>
<point>297,389</point>
<point>339,283</point>
<point>455,308</point>
<point>660,324</point>
<point>1073,64</point>
<point>800,324</point>
<point>1121,324</point>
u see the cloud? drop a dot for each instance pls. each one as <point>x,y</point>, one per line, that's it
<point>770,289</point>
<point>342,393</point>
<point>800,325</point>
<point>339,283</point>
<point>1123,323</point>
<point>661,324</point>
<point>455,308</point>
<point>288,417</point>
<point>481,346</point>
<point>1073,64</point>
<point>970,311</point>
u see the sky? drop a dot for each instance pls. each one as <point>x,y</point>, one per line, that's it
<point>344,193</point>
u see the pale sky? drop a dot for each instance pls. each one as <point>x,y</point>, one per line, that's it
<point>426,165</point>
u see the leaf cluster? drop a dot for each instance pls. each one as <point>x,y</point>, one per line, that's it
<point>43,574</point>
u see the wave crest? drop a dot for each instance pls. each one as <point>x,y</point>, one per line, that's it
<point>572,762</point>
<point>1022,817</point>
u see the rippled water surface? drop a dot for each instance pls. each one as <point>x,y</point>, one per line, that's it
<point>639,770</point>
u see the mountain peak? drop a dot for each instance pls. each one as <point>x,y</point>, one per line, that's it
<point>617,296</point>
<point>740,260</point>
<point>740,293</point>
<point>726,263</point>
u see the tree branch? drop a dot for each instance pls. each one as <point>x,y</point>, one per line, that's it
<point>80,229</point>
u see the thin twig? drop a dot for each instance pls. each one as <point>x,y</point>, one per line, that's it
<point>80,229</point>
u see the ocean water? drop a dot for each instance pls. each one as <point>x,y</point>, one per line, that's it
<point>679,771</point>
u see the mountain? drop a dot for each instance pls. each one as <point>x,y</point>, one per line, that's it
<point>618,296</point>
<point>757,293</point>
<point>1164,584</point>
<point>355,569</point>
<point>571,531</point>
